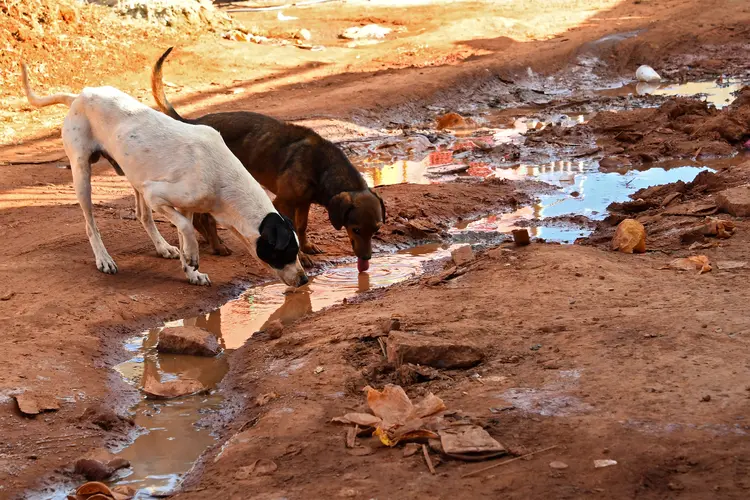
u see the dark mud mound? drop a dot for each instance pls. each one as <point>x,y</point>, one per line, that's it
<point>680,128</point>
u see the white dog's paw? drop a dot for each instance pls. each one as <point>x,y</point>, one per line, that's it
<point>169,252</point>
<point>200,279</point>
<point>106,265</point>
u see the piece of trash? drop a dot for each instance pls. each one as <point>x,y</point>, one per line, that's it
<point>647,74</point>
<point>722,229</point>
<point>558,465</point>
<point>604,463</point>
<point>450,120</point>
<point>31,405</point>
<point>367,31</point>
<point>447,169</point>
<point>261,467</point>
<point>440,158</point>
<point>318,370</point>
<point>698,263</point>
<point>726,265</point>
<point>401,419</point>
<point>307,46</point>
<point>470,443</point>
<point>95,490</point>
<point>521,237</point>
<point>630,237</point>
<point>281,17</point>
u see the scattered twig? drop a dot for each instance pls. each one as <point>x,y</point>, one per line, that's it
<point>382,347</point>
<point>351,436</point>
<point>428,459</point>
<point>479,471</point>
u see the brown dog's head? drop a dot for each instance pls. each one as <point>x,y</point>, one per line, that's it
<point>361,213</point>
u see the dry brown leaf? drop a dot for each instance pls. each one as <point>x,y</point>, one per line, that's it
<point>698,263</point>
<point>630,237</point>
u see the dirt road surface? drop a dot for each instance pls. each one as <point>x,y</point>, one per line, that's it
<point>644,366</point>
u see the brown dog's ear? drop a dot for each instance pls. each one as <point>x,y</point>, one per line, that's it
<point>338,209</point>
<point>382,205</point>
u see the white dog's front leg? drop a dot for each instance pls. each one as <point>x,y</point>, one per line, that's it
<point>189,256</point>
<point>81,170</point>
<point>143,211</point>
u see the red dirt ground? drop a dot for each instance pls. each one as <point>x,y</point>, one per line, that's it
<point>638,397</point>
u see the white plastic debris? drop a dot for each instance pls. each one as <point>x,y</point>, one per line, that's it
<point>647,74</point>
<point>604,463</point>
<point>368,31</point>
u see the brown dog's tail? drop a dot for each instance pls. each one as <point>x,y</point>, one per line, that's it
<point>40,102</point>
<point>157,89</point>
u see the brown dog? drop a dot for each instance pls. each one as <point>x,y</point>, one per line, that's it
<point>298,166</point>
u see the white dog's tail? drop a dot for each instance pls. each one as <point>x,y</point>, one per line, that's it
<point>40,102</point>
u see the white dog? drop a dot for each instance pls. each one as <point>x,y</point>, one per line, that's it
<point>176,169</point>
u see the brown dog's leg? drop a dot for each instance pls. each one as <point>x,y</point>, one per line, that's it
<point>206,225</point>
<point>300,222</point>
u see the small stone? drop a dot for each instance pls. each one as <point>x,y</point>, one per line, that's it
<point>558,465</point>
<point>451,121</point>
<point>99,465</point>
<point>630,237</point>
<point>31,405</point>
<point>7,295</point>
<point>521,237</point>
<point>706,398</point>
<point>264,399</point>
<point>735,201</point>
<point>261,467</point>
<point>172,389</point>
<point>304,34</point>
<point>274,329</point>
<point>431,351</point>
<point>318,370</point>
<point>188,340</point>
<point>411,449</point>
<point>390,325</point>
<point>604,463</point>
<point>462,255</point>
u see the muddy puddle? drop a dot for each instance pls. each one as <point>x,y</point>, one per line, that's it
<point>172,436</point>
<point>720,94</point>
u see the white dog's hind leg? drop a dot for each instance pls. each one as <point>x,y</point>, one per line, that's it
<point>188,243</point>
<point>143,211</point>
<point>81,170</point>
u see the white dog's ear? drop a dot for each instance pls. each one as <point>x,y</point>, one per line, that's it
<point>339,208</point>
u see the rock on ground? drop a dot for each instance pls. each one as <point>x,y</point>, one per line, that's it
<point>431,351</point>
<point>188,340</point>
